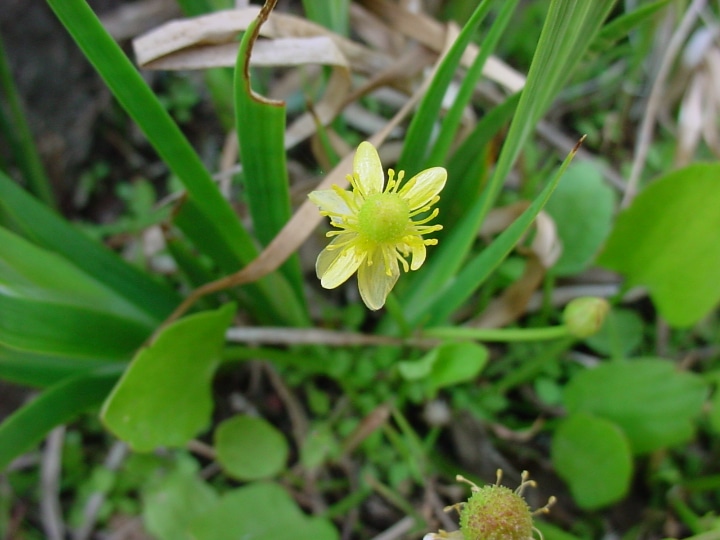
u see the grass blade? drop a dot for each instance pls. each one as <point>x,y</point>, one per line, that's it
<point>260,127</point>
<point>58,405</point>
<point>46,229</point>
<point>20,137</point>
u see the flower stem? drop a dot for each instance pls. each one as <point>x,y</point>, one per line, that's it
<point>504,335</point>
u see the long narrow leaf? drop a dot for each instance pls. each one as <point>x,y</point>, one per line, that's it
<point>450,123</point>
<point>476,271</point>
<point>417,140</point>
<point>42,370</point>
<point>48,230</point>
<point>165,136</point>
<point>66,330</point>
<point>59,404</point>
<point>569,28</point>
<point>18,132</point>
<point>260,125</point>
<point>27,271</point>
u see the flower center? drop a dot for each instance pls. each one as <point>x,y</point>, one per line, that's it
<point>383,218</point>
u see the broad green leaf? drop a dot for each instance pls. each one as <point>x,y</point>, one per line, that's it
<point>655,405</point>
<point>260,511</point>
<point>53,329</point>
<point>447,365</point>
<point>250,448</point>
<point>33,273</point>
<point>593,456</point>
<point>59,404</point>
<point>170,505</point>
<point>165,396</point>
<point>582,208</point>
<point>41,370</point>
<point>46,229</point>
<point>620,335</point>
<point>667,240</point>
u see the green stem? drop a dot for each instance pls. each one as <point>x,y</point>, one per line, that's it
<point>502,335</point>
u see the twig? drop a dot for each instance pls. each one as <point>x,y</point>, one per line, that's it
<point>653,104</point>
<point>398,530</point>
<point>115,458</point>
<point>298,419</point>
<point>50,511</point>
<point>309,336</point>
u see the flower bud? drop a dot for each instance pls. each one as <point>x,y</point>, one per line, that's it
<point>584,317</point>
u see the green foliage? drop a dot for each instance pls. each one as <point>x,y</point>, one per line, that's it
<point>250,448</point>
<point>447,365</point>
<point>667,241</point>
<point>582,208</point>
<point>60,403</point>
<point>350,413</point>
<point>655,405</point>
<point>260,510</point>
<point>174,502</point>
<point>164,398</point>
<point>593,456</point>
<point>620,336</point>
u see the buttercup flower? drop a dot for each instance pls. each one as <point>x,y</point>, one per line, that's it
<point>376,228</point>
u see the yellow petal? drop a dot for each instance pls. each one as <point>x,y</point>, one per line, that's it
<point>328,200</point>
<point>374,282</point>
<point>417,247</point>
<point>335,266</point>
<point>421,188</point>
<point>368,168</point>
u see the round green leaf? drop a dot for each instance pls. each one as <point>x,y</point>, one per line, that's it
<point>448,364</point>
<point>593,456</point>
<point>620,335</point>
<point>582,208</point>
<point>260,511</point>
<point>165,398</point>
<point>250,448</point>
<point>667,240</point>
<point>171,505</point>
<point>654,404</point>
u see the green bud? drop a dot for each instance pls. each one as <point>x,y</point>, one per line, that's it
<point>584,317</point>
<point>494,512</point>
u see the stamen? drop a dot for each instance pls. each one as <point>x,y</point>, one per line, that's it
<point>432,216</point>
<point>400,176</point>
<point>473,485</point>
<point>391,182</point>
<point>524,482</point>
<point>546,509</point>
<point>405,265</point>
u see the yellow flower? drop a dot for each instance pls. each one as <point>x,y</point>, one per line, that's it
<point>376,229</point>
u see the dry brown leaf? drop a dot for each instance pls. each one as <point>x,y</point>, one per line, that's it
<point>432,34</point>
